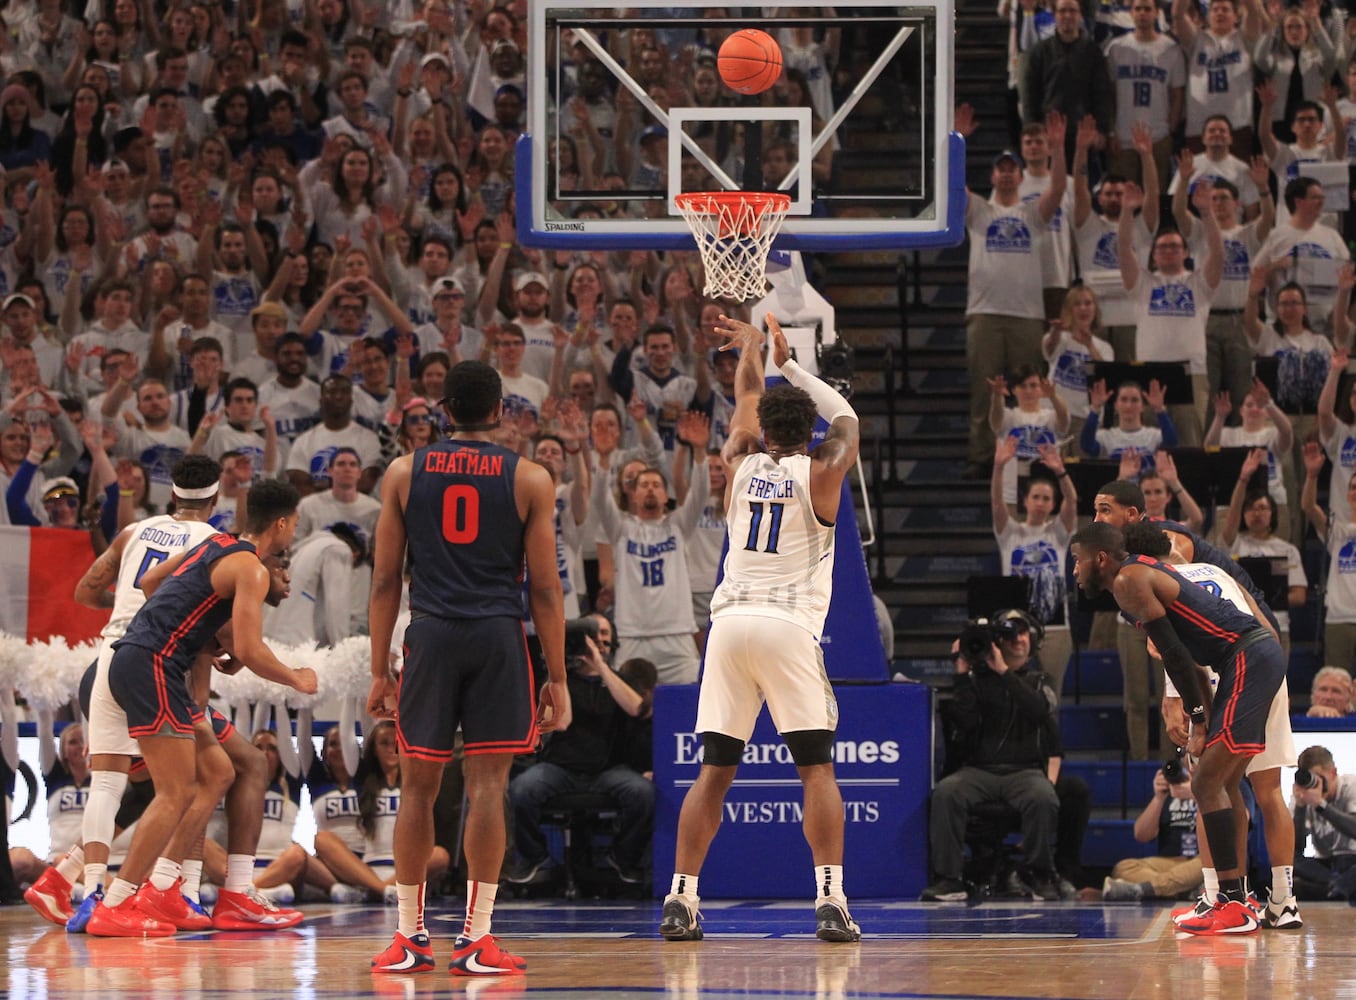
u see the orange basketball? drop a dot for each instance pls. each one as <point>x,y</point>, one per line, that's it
<point>749,61</point>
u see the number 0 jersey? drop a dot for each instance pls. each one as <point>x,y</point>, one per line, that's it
<point>153,541</point>
<point>464,534</point>
<point>780,558</point>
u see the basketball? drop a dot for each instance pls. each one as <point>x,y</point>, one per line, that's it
<point>749,61</point>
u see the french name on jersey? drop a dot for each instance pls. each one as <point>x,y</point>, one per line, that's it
<point>465,463</point>
<point>764,489</point>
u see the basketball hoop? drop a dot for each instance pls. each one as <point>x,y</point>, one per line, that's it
<point>734,232</point>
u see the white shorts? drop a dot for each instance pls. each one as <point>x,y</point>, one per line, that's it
<point>107,721</point>
<point>750,659</point>
<point>1280,748</point>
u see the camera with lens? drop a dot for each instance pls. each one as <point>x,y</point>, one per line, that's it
<point>1175,772</point>
<point>1305,778</point>
<point>980,634</point>
<point>575,633</point>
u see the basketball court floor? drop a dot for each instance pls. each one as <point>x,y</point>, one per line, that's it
<point>752,950</point>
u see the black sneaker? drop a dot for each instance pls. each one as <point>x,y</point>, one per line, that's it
<point>678,922</point>
<point>1043,886</point>
<point>946,890</point>
<point>628,874</point>
<point>834,923</point>
<point>524,872</point>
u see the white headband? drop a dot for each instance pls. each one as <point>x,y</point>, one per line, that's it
<point>200,493</point>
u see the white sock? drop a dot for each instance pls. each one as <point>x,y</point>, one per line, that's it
<point>95,875</point>
<point>410,912</point>
<point>479,907</point>
<point>70,866</point>
<point>166,874</point>
<point>683,885</point>
<point>120,890</point>
<point>192,875</point>
<point>1211,878</point>
<point>829,882</point>
<point>1282,883</point>
<point>239,872</point>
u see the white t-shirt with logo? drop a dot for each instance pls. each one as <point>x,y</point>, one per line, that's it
<point>1005,264</point>
<point>1171,313</point>
<point>1069,363</point>
<point>1038,554</point>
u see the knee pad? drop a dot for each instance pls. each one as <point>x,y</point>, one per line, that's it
<point>101,809</point>
<point>719,750</point>
<point>810,747</point>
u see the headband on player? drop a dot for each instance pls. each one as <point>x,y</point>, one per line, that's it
<point>198,493</point>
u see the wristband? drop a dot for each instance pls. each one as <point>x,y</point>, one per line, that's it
<point>1197,715</point>
<point>505,246</point>
<point>126,493</point>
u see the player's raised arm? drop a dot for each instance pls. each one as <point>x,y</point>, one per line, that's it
<point>838,451</point>
<point>535,493</point>
<point>745,435</point>
<point>388,564</point>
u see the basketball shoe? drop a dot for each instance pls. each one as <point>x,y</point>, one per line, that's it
<point>169,906</point>
<point>50,895</point>
<point>406,954</point>
<point>80,918</point>
<point>834,923</point>
<point>248,911</point>
<point>484,957</point>
<point>125,920</point>
<point>1282,915</point>
<point>1227,916</point>
<point>678,921</point>
<point>1200,908</point>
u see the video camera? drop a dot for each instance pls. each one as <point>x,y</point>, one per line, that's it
<point>980,634</point>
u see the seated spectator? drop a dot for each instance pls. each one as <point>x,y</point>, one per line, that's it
<point>1325,816</point>
<point>65,774</point>
<point>1331,693</point>
<point>334,800</point>
<point>1005,730</point>
<point>378,783</point>
<point>1169,819</point>
<point>323,580</point>
<point>580,759</point>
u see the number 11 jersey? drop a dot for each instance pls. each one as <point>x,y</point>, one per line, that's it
<point>780,558</point>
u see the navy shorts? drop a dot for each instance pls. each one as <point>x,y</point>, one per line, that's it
<point>1243,700</point>
<point>153,693</point>
<point>221,726</point>
<point>469,672</point>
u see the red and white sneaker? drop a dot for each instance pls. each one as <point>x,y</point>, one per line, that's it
<point>1225,917</point>
<point>248,911</point>
<point>50,895</point>
<point>169,906</point>
<point>406,954</point>
<point>125,920</point>
<point>1200,908</point>
<point>484,957</point>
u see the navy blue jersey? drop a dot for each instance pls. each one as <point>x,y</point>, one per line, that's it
<point>1208,552</point>
<point>185,612</point>
<point>465,535</point>
<point>1208,626</point>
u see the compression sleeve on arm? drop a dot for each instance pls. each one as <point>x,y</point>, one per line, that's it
<point>829,403</point>
<point>1177,662</point>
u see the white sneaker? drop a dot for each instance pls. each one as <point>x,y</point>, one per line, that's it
<point>349,895</point>
<point>1284,915</point>
<point>279,895</point>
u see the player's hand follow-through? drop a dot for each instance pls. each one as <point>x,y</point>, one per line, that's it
<point>553,707</point>
<point>781,351</point>
<point>738,334</point>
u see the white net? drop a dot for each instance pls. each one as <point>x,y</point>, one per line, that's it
<point>734,232</point>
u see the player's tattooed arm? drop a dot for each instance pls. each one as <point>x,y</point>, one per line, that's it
<point>93,590</point>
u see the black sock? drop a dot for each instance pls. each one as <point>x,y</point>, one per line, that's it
<point>1219,834</point>
<point>1232,889</point>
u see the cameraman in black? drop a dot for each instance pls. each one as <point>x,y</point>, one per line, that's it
<point>1170,819</point>
<point>1002,721</point>
<point>580,759</point>
<point>1325,809</point>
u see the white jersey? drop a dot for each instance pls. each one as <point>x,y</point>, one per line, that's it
<point>153,541</point>
<point>1219,81</point>
<point>280,819</point>
<point>780,558</point>
<point>379,845</point>
<point>1144,75</point>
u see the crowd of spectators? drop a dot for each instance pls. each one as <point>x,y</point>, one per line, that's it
<point>265,230</point>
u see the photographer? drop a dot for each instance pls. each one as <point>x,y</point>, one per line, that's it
<point>1002,721</point>
<point>1170,818</point>
<point>1325,809</point>
<point>579,760</point>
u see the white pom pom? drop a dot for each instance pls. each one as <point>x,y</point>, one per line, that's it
<point>14,660</point>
